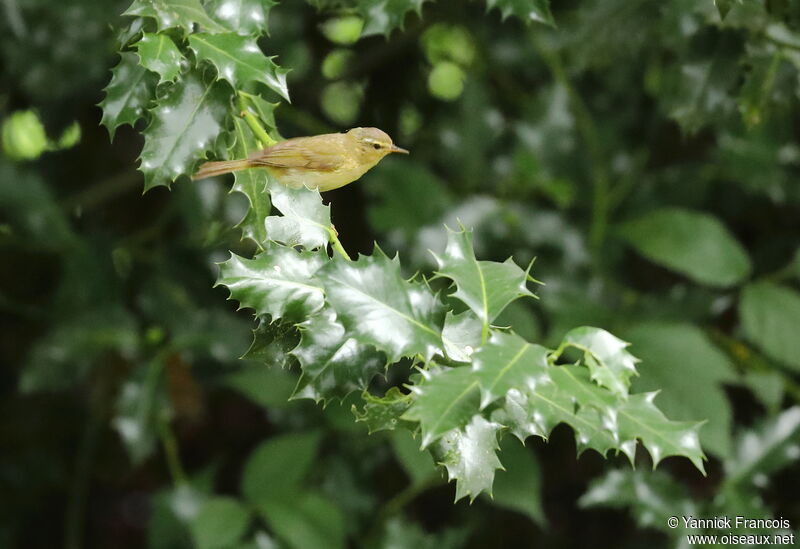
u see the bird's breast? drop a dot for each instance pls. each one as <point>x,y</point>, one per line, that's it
<point>320,180</point>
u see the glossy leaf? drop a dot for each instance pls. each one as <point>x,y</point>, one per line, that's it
<point>251,183</point>
<point>159,54</point>
<point>692,243</point>
<point>378,307</point>
<point>334,364</point>
<point>469,454</point>
<point>175,13</point>
<point>486,287</point>
<point>526,10</point>
<point>279,282</point>
<point>306,220</point>
<point>185,126</point>
<point>770,316</point>
<point>461,335</point>
<point>610,364</point>
<point>242,16</point>
<point>128,95</point>
<point>507,361</point>
<point>447,400</point>
<point>239,60</point>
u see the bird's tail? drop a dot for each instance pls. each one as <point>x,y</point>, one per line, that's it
<point>210,169</point>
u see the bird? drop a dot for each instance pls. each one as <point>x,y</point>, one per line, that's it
<point>322,162</point>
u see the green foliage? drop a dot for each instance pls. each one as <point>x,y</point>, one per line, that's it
<point>769,315</point>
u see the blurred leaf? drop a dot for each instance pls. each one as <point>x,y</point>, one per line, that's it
<point>220,523</point>
<point>69,137</point>
<point>242,16</point>
<point>518,487</point>
<point>378,307</point>
<point>306,220</point>
<point>762,451</point>
<point>140,406</point>
<point>343,30</point>
<point>692,243</point>
<point>757,87</point>
<point>239,60</point>
<point>129,93</point>
<point>276,468</point>
<point>308,521</point>
<point>486,287</point>
<point>417,464</point>
<point>24,137</point>
<point>159,54</point>
<point>690,382</point>
<point>279,282</point>
<point>334,364</point>
<point>383,16</point>
<point>263,385</point>
<point>770,315</point>
<point>470,457</point>
<point>527,10</point>
<point>184,127</point>
<point>175,13</point>
<point>446,81</point>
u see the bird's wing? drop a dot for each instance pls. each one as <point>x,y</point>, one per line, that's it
<point>300,153</point>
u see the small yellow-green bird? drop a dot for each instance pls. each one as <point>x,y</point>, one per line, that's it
<point>322,162</point>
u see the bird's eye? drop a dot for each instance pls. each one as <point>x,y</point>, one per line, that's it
<point>376,147</point>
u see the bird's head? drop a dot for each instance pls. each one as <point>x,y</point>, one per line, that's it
<point>372,144</point>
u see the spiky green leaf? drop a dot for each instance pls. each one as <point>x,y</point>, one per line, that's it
<point>242,16</point>
<point>505,362</point>
<point>334,364</point>
<point>239,60</point>
<point>470,456</point>
<point>383,413</point>
<point>306,220</point>
<point>383,16</point>
<point>159,54</point>
<point>280,282</point>
<point>128,94</point>
<point>251,183</point>
<point>606,357</point>
<point>380,308</point>
<point>175,13</point>
<point>461,335</point>
<point>486,287</point>
<point>185,126</point>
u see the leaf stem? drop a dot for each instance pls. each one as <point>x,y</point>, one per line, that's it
<point>170,444</point>
<point>336,244</point>
<point>259,131</point>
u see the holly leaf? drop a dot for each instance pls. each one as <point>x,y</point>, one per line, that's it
<point>486,287</point>
<point>279,282</point>
<point>334,364</point>
<point>527,10</point>
<point>128,94</point>
<point>469,454</point>
<point>184,126</point>
<point>383,16</point>
<point>175,13</point>
<point>272,343</point>
<point>239,60</point>
<point>378,307</point>
<point>159,54</point>
<point>446,400</point>
<point>383,413</point>
<point>461,335</point>
<point>505,362</point>
<point>640,418</point>
<point>251,183</point>
<point>306,221</point>
<point>604,354</point>
<point>242,16</point>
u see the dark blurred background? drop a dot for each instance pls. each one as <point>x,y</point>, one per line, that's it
<point>583,146</point>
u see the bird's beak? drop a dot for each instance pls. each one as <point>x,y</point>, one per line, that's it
<point>396,149</point>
